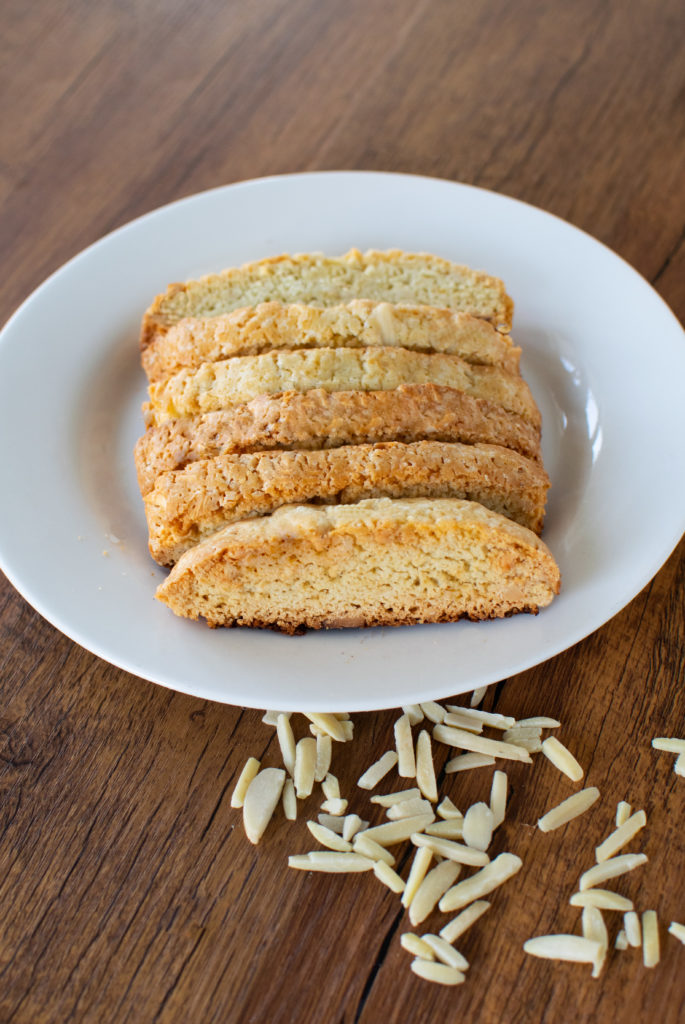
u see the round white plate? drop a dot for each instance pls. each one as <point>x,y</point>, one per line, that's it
<point>603,354</point>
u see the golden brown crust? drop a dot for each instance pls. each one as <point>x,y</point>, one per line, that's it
<point>358,324</point>
<point>185,507</point>
<point>312,278</point>
<point>231,382</point>
<point>324,419</point>
<point>380,561</point>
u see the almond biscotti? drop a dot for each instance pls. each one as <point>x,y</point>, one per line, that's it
<point>232,382</point>
<point>186,506</point>
<point>325,419</point>
<point>377,562</point>
<point>318,280</point>
<point>358,324</point>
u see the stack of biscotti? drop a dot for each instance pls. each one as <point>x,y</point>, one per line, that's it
<point>342,441</point>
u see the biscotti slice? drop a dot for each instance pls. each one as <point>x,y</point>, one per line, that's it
<point>379,562</point>
<point>318,280</point>
<point>231,382</point>
<point>186,506</point>
<point>359,324</point>
<point>325,419</point>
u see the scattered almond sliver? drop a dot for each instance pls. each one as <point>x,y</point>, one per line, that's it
<point>604,899</point>
<point>413,944</point>
<point>433,886</point>
<point>498,797</point>
<point>478,826</point>
<point>334,806</point>
<point>324,753</point>
<point>385,874</point>
<point>477,696</point>
<point>631,926</point>
<point>305,767</point>
<point>406,762</point>
<point>623,812</point>
<point>465,762</point>
<point>490,718</point>
<point>408,809</point>
<point>352,824</point>
<point>650,939</point>
<point>470,724</point>
<point>378,770</point>
<point>463,921</point>
<point>328,838</point>
<point>445,952</point>
<point>286,740</point>
<point>331,787</point>
<point>562,758</point>
<point>398,831</point>
<point>441,974</point>
<point>595,929</point>
<point>425,769</point>
<point>333,863</point>
<point>451,828</point>
<point>368,848</point>
<point>679,766</point>
<point>483,882</point>
<point>568,809</point>
<point>574,948</point>
<point>289,800</point>
<point>677,930</point>
<point>417,873</point>
<point>395,798</point>
<point>271,717</point>
<point>451,850</point>
<point>611,868</point>
<point>413,713</point>
<point>447,810</point>
<point>433,712</point>
<point>671,744</point>
<point>621,940</point>
<point>539,722</point>
<point>330,724</point>
<point>454,737</point>
<point>244,779</point>
<point>622,835</point>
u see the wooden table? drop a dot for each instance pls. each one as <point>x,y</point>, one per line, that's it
<point>127,888</point>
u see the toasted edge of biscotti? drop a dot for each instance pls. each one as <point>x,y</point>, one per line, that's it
<point>329,419</point>
<point>377,562</point>
<point>358,324</point>
<point>187,505</point>
<point>315,279</point>
<point>230,382</point>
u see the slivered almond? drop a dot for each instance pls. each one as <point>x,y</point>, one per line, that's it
<point>568,809</point>
<point>446,809</point>
<point>324,753</point>
<point>305,767</point>
<point>417,873</point>
<point>575,948</point>
<point>328,723</point>
<point>378,770</point>
<point>594,928</point>
<point>328,838</point>
<point>425,769</point>
<point>408,809</point>
<point>440,974</point>
<point>394,798</point>
<point>465,762</point>
<point>477,696</point>
<point>289,800</point>
<point>483,882</point>
<point>623,812</point>
<point>445,952</point>
<point>244,779</point>
<point>385,874</point>
<point>479,744</point>
<point>271,717</point>
<point>369,848</point>
<point>261,798</point>
<point>352,823</point>
<point>434,712</point>
<point>490,718</point>
<point>398,831</point>
<point>631,925</point>
<point>459,924</point>
<point>334,863</point>
<point>413,713</point>
<point>562,758</point>
<point>450,828</point>
<point>498,797</point>
<point>434,885</point>
<point>470,724</point>
<point>451,850</point>
<point>406,762</point>
<point>651,953</point>
<point>286,741</point>
<point>334,806</point>
<point>331,787</point>
<point>604,899</point>
<point>671,744</point>
<point>611,868</point>
<point>413,944</point>
<point>622,835</point>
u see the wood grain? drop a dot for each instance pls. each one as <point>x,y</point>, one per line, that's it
<point>128,890</point>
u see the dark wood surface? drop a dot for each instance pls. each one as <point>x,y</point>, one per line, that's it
<point>127,889</point>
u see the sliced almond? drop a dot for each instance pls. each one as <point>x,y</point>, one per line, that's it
<point>244,779</point>
<point>378,770</point>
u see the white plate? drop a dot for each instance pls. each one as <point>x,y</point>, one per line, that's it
<point>603,354</point>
